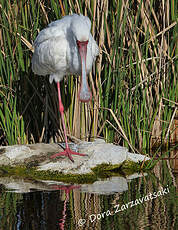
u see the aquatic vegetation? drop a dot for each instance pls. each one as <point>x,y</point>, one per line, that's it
<point>133,83</point>
<point>100,171</point>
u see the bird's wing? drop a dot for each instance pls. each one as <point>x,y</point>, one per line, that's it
<point>54,29</point>
<point>50,54</point>
<point>48,33</point>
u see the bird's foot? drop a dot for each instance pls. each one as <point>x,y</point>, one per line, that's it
<point>67,152</point>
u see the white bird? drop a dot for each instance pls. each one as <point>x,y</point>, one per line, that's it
<point>66,47</point>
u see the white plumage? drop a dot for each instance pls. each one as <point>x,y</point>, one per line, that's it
<point>55,49</point>
<point>66,47</point>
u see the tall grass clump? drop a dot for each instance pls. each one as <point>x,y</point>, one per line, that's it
<point>133,81</point>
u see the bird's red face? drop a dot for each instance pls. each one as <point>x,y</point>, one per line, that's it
<point>84,92</point>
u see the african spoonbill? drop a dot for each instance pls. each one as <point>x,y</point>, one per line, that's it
<point>66,47</point>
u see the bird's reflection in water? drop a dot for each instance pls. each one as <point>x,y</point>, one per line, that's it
<point>67,190</point>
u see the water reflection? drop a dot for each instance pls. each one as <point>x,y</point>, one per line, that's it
<point>77,207</point>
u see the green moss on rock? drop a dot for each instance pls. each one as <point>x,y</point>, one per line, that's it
<point>100,171</point>
<point>33,173</point>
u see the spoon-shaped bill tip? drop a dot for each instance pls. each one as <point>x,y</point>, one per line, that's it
<point>85,94</point>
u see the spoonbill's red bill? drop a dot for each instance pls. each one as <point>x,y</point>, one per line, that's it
<point>66,47</point>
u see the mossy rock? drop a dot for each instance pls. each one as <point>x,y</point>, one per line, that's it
<point>100,171</point>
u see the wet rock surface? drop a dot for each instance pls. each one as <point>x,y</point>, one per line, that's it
<point>103,186</point>
<point>38,155</point>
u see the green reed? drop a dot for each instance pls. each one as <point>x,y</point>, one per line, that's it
<point>133,81</point>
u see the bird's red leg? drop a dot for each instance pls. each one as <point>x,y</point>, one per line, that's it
<point>67,152</point>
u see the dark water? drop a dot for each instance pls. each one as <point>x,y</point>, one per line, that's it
<point>148,203</point>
